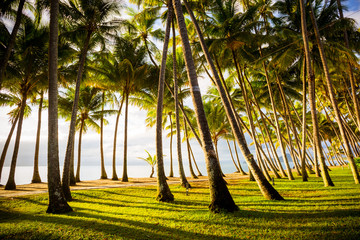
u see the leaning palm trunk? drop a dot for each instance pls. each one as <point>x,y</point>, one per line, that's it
<point>6,145</point>
<point>71,137</point>
<point>57,202</point>
<point>10,185</point>
<point>188,150</point>
<point>36,176</point>
<point>114,175</point>
<point>11,43</point>
<point>103,171</point>
<point>163,192</point>
<point>351,74</point>
<point>193,158</point>
<point>333,100</point>
<point>77,177</point>
<point>311,79</point>
<point>183,179</point>
<point>219,193</point>
<point>303,146</point>
<point>220,196</point>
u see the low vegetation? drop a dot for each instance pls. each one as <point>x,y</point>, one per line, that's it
<point>310,211</point>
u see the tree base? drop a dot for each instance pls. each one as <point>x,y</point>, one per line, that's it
<point>223,206</point>
<point>165,197</point>
<point>115,178</point>
<point>36,181</point>
<point>58,208</point>
<point>103,177</point>
<point>10,185</point>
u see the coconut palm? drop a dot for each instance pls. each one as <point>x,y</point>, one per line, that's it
<point>90,20</point>
<point>12,38</point>
<point>26,72</point>
<point>57,201</point>
<point>151,160</point>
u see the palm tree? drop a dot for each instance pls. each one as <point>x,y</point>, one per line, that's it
<point>220,195</point>
<point>264,185</point>
<point>163,193</point>
<point>57,201</point>
<point>36,176</point>
<point>90,20</point>
<point>333,100</point>
<point>27,71</point>
<point>151,160</point>
<point>11,41</point>
<point>134,73</point>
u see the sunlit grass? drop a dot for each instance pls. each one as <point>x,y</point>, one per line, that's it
<point>310,211</point>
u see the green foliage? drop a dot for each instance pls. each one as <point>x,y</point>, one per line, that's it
<point>309,212</point>
<point>357,161</point>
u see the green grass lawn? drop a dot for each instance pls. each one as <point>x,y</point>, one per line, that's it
<point>310,211</point>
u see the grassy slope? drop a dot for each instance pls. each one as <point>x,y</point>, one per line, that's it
<point>309,212</point>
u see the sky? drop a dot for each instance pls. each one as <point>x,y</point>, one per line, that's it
<point>140,138</point>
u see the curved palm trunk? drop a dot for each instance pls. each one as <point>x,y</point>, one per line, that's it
<point>163,191</point>
<point>114,175</point>
<point>189,152</point>
<point>171,174</point>
<point>220,197</point>
<point>57,201</point>
<point>242,172</point>
<point>36,176</point>
<point>103,171</point>
<point>71,137</point>
<point>10,185</point>
<point>6,145</point>
<point>152,171</point>
<point>11,42</point>
<point>72,167</point>
<point>193,158</point>
<point>184,182</point>
<point>77,177</point>
<point>311,79</point>
<point>351,74</point>
<point>282,172</point>
<point>232,156</point>
<point>125,176</point>
<point>219,193</point>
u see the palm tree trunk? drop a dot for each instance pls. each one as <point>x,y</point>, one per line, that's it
<point>103,171</point>
<point>125,176</point>
<point>114,175</point>
<point>6,145</point>
<point>193,158</point>
<point>171,174</point>
<point>72,167</point>
<point>232,156</point>
<point>10,185</point>
<point>326,178</point>
<point>220,197</point>
<point>334,104</point>
<point>71,137</point>
<point>303,146</point>
<point>163,191</point>
<point>11,42</point>
<point>219,193</point>
<point>351,74</point>
<point>36,176</point>
<point>242,172</point>
<point>188,149</point>
<point>57,201</point>
<point>77,177</point>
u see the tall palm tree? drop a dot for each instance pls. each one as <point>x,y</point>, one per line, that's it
<point>27,71</point>
<point>134,73</point>
<point>89,19</point>
<point>12,40</point>
<point>220,195</point>
<point>163,191</point>
<point>57,201</point>
<point>264,185</point>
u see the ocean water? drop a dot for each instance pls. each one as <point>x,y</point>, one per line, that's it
<point>23,174</point>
